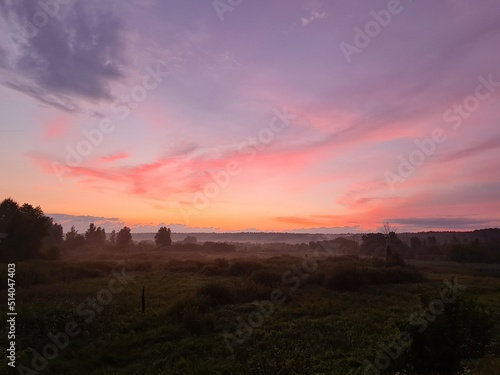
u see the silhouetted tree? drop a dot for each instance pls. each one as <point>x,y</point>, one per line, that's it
<point>415,243</point>
<point>23,230</point>
<point>431,241</point>
<point>190,240</point>
<point>389,231</point>
<point>74,240</point>
<point>8,209</point>
<point>462,331</point>
<point>373,244</point>
<point>123,238</point>
<point>52,243</point>
<point>56,233</point>
<point>95,236</point>
<point>162,237</point>
<point>346,245</point>
<point>112,238</point>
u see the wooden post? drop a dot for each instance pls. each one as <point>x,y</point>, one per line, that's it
<point>143,301</point>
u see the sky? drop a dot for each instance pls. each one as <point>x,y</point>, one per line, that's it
<point>263,115</point>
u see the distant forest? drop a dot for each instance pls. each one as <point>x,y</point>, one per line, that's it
<point>27,233</point>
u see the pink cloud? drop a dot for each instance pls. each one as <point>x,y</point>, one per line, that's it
<point>114,157</point>
<point>56,128</point>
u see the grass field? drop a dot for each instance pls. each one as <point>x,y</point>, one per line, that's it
<point>201,316</point>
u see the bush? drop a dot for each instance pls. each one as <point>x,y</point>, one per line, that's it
<point>211,270</point>
<point>218,247</point>
<point>185,247</point>
<point>396,260</point>
<point>218,293</point>
<point>26,275</point>
<point>378,262</point>
<point>375,276</point>
<point>192,311</point>
<point>316,278</point>
<point>345,278</point>
<point>221,262</point>
<point>187,266</point>
<point>400,275</point>
<point>462,332</point>
<point>243,267</point>
<point>266,278</point>
<point>196,303</point>
<point>51,253</point>
<point>138,266</point>
<point>249,291</point>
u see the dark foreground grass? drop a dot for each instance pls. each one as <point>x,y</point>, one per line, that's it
<point>327,323</point>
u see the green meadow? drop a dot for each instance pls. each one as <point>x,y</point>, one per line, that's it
<point>256,316</point>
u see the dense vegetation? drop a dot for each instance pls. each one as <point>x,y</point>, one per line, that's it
<point>26,233</point>
<point>213,315</point>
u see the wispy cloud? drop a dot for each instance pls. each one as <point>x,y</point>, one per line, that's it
<point>56,128</point>
<point>113,157</point>
<point>471,151</point>
<point>75,55</point>
<point>315,15</point>
<point>440,223</point>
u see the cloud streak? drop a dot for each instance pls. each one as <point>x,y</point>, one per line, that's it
<point>76,54</point>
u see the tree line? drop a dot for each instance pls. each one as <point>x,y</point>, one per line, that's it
<point>27,233</point>
<point>483,246</point>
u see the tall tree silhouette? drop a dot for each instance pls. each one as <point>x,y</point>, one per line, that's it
<point>23,230</point>
<point>123,238</point>
<point>95,237</point>
<point>74,239</point>
<point>162,237</point>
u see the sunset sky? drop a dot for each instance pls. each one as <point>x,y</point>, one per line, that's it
<point>269,115</point>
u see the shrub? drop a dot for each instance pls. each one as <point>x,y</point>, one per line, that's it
<point>266,278</point>
<point>221,262</point>
<point>462,332</point>
<point>192,311</point>
<point>26,275</point>
<point>396,260</point>
<point>51,253</point>
<point>378,262</point>
<point>139,266</point>
<point>243,267</point>
<point>193,303</point>
<point>345,278</point>
<point>375,276</point>
<point>211,270</point>
<point>218,247</point>
<point>248,291</point>
<point>316,278</point>
<point>218,293</point>
<point>400,275</point>
<point>199,323</point>
<point>187,266</point>
<point>185,247</point>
